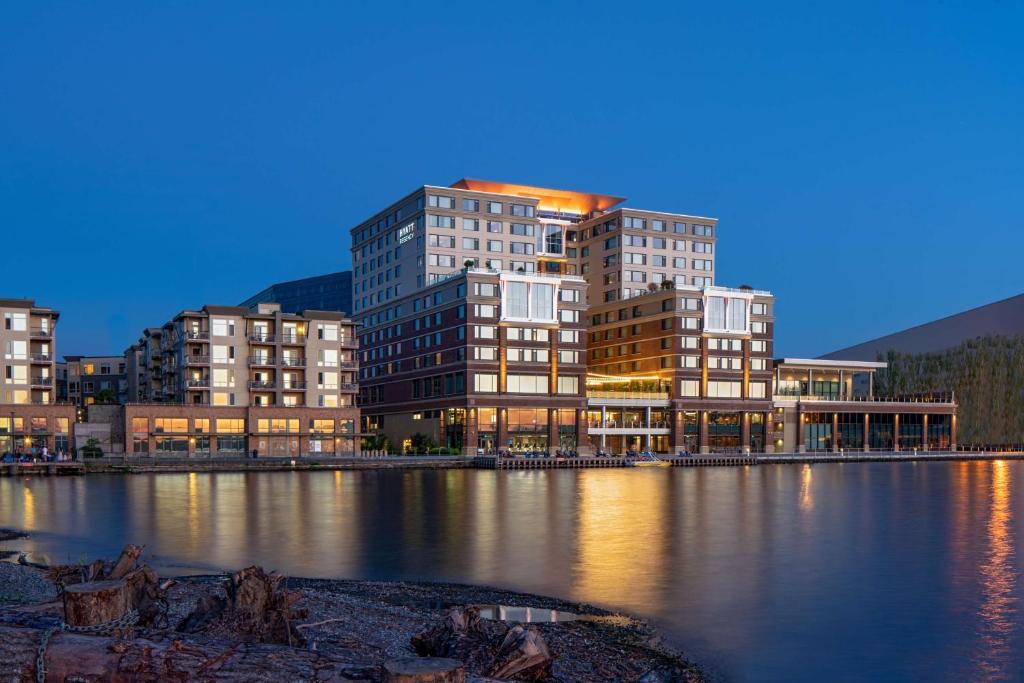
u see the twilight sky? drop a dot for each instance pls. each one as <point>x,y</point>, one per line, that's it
<point>866,167</point>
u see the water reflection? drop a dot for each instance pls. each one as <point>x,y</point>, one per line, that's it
<point>779,573</point>
<point>998,576</point>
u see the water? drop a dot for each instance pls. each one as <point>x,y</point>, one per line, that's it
<point>882,571</point>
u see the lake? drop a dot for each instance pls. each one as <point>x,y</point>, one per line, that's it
<point>882,571</point>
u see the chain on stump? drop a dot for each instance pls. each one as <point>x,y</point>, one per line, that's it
<point>130,618</point>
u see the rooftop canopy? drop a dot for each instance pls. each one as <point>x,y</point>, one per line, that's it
<point>549,199</point>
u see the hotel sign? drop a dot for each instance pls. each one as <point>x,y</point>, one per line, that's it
<point>406,232</point>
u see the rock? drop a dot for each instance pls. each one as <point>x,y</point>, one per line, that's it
<point>424,670</point>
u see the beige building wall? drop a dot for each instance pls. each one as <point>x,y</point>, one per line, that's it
<point>27,342</point>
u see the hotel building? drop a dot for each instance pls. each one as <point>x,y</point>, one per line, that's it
<point>30,417</point>
<point>499,316</point>
<point>231,380</point>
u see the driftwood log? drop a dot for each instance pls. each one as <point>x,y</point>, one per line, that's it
<point>424,670</point>
<point>71,656</point>
<point>255,607</point>
<point>95,602</point>
<point>487,646</point>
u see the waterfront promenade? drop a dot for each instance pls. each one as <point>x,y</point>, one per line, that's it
<point>115,465</point>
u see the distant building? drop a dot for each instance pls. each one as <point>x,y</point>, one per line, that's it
<point>87,376</point>
<point>1002,318</point>
<point>30,418</point>
<point>331,292</point>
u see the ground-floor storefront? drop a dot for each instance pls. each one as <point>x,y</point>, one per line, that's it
<point>27,429</point>
<point>884,426</point>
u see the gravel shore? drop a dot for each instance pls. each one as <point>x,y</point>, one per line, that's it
<point>370,622</point>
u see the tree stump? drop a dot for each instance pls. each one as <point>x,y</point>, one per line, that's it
<point>424,670</point>
<point>95,602</point>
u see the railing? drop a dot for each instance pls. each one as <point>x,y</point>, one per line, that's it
<point>42,381</point>
<point>197,360</point>
<point>40,333</point>
<point>292,339</point>
<point>348,343</point>
<point>348,365</point>
<point>293,362</point>
<point>197,335</point>
<point>259,384</point>
<point>41,357</point>
<point>629,424</point>
<point>260,337</point>
<point>261,360</point>
<point>348,386</point>
<point>937,397</point>
<point>635,395</point>
<point>197,383</point>
<point>293,385</point>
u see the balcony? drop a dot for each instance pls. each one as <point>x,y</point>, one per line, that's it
<point>261,384</point>
<point>348,386</point>
<point>197,360</point>
<point>42,381</point>
<point>41,358</point>
<point>261,360</point>
<point>297,385</point>
<point>262,337</point>
<point>348,343</point>
<point>348,365</point>
<point>197,383</point>
<point>200,336</point>
<point>292,339</point>
<point>293,362</point>
<point>40,333</point>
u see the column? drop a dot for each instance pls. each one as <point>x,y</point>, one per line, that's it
<point>702,421</point>
<point>745,384</point>
<point>835,432</point>
<point>604,425</point>
<point>801,447</point>
<point>867,433</point>
<point>553,444</point>
<point>469,445</point>
<point>924,432</point>
<point>952,434</point>
<point>769,428</point>
<point>502,436</point>
<point>896,433</point>
<point>745,431</point>
<point>647,424</point>
<point>678,431</point>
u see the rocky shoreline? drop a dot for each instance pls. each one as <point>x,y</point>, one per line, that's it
<point>372,622</point>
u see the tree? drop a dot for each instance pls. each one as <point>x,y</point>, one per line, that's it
<point>92,449</point>
<point>105,396</point>
<point>422,443</point>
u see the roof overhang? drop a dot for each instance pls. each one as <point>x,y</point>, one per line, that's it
<point>549,199</point>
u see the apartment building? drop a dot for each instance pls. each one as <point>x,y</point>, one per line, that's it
<point>231,380</point>
<point>90,376</point>
<point>30,417</point>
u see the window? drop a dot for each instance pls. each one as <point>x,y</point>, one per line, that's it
<point>485,382</point>
<point>485,289</point>
<point>690,361</point>
<point>446,241</point>
<point>567,315</point>
<point>723,389</point>
<point>327,332</point>
<point>568,385</point>
<point>221,327</point>
<point>471,224</point>
<point>527,384</point>
<point>678,263</point>
<point>485,331</point>
<point>691,342</point>
<point>470,243</point>
<point>494,207</point>
<point>16,350</point>
<point>702,247</point>
<point>201,425</point>
<point>759,327</point>
<point>758,346</point>
<point>689,388</point>
<point>658,226</point>
<point>470,205</point>
<point>17,322</point>
<point>569,295</point>
<point>633,222</point>
<point>759,309</point>
<point>222,398</point>
<point>494,246</point>
<point>170,425</point>
<point>702,264</point>
<point>679,228</point>
<point>440,221</point>
<point>702,230</point>
<point>440,201</point>
<point>568,356</point>
<point>758,364</point>
<point>443,260</point>
<point>485,353</point>
<point>756,390</point>
<point>230,426</point>
<point>223,354</point>
<point>569,336</point>
<point>494,227</point>
<point>521,248</point>
<point>524,210</point>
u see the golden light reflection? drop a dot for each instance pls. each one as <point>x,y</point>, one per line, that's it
<point>806,495</point>
<point>192,509</point>
<point>998,577</point>
<point>29,512</point>
<point>620,530</point>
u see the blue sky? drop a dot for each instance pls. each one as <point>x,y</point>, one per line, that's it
<point>865,162</point>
